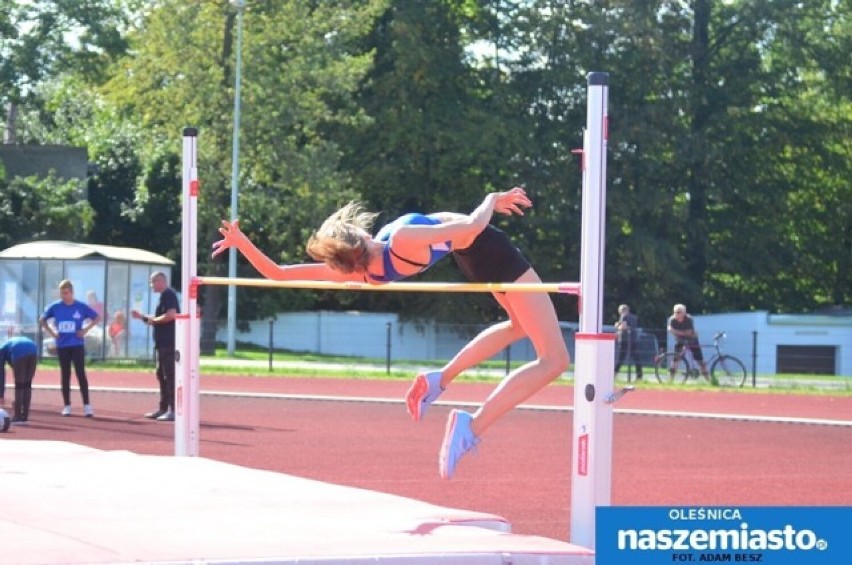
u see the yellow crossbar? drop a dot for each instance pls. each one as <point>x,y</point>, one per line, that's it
<point>563,287</point>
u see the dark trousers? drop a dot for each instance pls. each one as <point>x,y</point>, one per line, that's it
<point>24,369</point>
<point>77,356</point>
<point>624,348</point>
<point>166,376</point>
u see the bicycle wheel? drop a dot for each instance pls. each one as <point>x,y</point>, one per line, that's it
<point>663,367</point>
<point>728,371</point>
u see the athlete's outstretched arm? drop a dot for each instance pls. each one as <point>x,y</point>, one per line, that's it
<point>462,229</point>
<point>233,236</point>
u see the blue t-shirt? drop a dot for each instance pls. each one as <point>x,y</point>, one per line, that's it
<point>15,348</point>
<point>69,320</point>
<point>437,250</point>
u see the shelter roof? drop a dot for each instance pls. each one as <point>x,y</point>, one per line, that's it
<point>73,250</point>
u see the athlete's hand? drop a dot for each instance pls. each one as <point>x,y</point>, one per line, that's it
<point>231,237</point>
<point>512,201</point>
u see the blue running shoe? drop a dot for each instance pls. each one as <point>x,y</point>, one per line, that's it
<point>458,440</point>
<point>425,390</point>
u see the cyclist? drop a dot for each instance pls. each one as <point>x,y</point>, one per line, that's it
<point>681,326</point>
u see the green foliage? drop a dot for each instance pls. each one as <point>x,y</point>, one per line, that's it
<point>297,78</point>
<point>43,39</point>
<point>435,140</point>
<point>728,151</point>
<point>45,208</point>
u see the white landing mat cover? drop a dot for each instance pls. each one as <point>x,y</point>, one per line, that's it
<point>63,503</point>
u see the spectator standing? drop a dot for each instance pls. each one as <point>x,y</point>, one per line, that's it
<point>69,330</point>
<point>681,326</point>
<point>163,323</point>
<point>20,353</point>
<point>627,329</point>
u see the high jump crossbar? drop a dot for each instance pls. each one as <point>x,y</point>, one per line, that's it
<point>591,472</point>
<point>563,287</point>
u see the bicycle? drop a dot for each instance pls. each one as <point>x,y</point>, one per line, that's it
<point>725,370</point>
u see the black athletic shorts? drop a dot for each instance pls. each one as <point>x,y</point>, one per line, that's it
<point>492,257</point>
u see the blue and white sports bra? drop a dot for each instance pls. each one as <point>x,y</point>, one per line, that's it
<point>437,250</point>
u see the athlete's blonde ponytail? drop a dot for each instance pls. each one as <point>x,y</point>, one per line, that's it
<point>339,241</point>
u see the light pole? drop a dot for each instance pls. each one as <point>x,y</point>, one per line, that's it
<point>235,173</point>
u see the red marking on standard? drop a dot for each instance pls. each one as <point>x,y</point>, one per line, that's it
<point>595,337</point>
<point>582,155</point>
<point>583,455</point>
<point>193,187</point>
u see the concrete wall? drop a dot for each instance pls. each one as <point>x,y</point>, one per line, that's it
<point>364,334</point>
<point>360,334</point>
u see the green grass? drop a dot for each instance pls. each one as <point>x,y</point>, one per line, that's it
<point>251,352</point>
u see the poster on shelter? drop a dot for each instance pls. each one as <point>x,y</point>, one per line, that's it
<point>10,298</point>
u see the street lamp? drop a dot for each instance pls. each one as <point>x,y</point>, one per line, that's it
<point>235,173</point>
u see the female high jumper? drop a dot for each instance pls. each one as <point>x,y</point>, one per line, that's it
<point>345,251</point>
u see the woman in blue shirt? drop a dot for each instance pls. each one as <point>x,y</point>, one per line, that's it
<point>345,251</point>
<point>69,330</point>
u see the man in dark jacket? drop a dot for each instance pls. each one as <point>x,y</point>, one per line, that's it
<point>627,328</point>
<point>163,323</point>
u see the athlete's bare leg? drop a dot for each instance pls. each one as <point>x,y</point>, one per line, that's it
<point>488,343</point>
<point>534,314</point>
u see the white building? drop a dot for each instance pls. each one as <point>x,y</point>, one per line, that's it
<point>782,343</point>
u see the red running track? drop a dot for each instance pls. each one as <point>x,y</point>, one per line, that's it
<point>522,470</point>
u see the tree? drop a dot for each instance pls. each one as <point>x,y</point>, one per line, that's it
<point>299,72</point>
<point>42,39</point>
<point>801,171</point>
<point>34,208</point>
<point>436,140</point>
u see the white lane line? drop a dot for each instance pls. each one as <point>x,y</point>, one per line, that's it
<point>539,407</point>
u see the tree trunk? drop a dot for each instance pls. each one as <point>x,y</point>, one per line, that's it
<point>696,237</point>
<point>10,135</point>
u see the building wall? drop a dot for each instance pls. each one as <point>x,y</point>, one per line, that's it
<point>359,334</point>
<point>27,160</point>
<point>754,337</point>
<point>365,334</point>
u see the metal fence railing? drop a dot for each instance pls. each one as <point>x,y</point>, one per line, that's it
<point>384,338</point>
